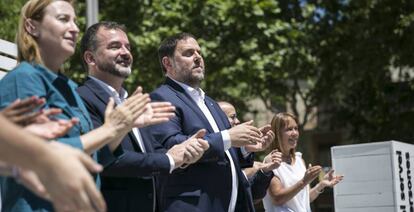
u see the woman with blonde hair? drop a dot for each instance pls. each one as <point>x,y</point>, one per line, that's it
<point>289,189</point>
<point>46,38</point>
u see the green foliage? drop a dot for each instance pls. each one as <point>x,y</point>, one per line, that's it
<point>360,42</point>
<point>9,13</point>
<point>335,55</point>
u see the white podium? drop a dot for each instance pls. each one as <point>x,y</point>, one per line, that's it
<point>378,177</point>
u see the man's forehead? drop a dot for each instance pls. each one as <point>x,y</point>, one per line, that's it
<point>228,109</point>
<point>108,35</point>
<point>187,43</point>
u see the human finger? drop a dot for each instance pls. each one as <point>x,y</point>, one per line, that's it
<point>264,129</point>
<point>52,111</point>
<point>82,201</point>
<point>199,134</point>
<point>162,106</point>
<point>271,135</point>
<point>27,118</point>
<point>192,151</point>
<point>204,144</point>
<point>30,102</point>
<point>89,163</point>
<point>197,146</point>
<point>255,130</point>
<point>109,107</point>
<point>249,123</point>
<point>254,139</point>
<point>96,198</point>
<point>138,90</point>
<point>139,104</point>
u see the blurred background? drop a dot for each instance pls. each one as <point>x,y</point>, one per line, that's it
<point>344,67</point>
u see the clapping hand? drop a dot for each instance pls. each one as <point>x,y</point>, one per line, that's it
<point>22,112</point>
<point>271,161</point>
<point>47,127</point>
<point>195,147</point>
<point>267,138</point>
<point>124,116</point>
<point>330,180</point>
<point>189,151</point>
<point>155,113</point>
<point>311,173</point>
<point>245,134</point>
<point>41,122</point>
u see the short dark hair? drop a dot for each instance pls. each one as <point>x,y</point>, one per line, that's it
<point>169,44</point>
<point>89,40</point>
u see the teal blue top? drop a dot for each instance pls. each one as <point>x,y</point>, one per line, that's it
<point>28,80</point>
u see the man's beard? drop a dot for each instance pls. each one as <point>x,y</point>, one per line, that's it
<point>116,70</point>
<point>193,80</point>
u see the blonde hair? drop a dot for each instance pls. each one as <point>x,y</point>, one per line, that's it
<point>28,49</point>
<point>279,122</point>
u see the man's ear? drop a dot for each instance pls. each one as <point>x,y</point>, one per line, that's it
<point>89,58</point>
<point>166,62</point>
<point>31,27</point>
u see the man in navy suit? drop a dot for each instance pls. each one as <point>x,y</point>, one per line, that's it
<point>128,183</point>
<point>216,182</point>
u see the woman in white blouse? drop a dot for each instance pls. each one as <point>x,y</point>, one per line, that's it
<point>289,190</point>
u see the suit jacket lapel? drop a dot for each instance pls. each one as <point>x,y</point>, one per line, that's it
<point>97,90</point>
<point>186,98</point>
<point>104,97</point>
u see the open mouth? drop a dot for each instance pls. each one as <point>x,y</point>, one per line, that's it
<point>293,140</point>
<point>125,63</point>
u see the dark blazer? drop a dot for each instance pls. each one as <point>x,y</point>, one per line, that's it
<point>205,185</point>
<point>127,183</point>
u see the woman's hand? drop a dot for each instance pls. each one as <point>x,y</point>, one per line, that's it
<point>22,112</point>
<point>330,180</point>
<point>311,173</point>
<point>51,128</point>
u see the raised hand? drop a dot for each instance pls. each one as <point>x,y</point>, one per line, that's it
<point>32,182</point>
<point>123,116</point>
<point>51,128</point>
<point>155,113</point>
<point>330,180</point>
<point>63,163</point>
<point>196,146</point>
<point>21,112</point>
<point>311,173</point>
<point>190,150</point>
<point>271,161</point>
<point>245,134</point>
<point>267,138</point>
<point>47,115</point>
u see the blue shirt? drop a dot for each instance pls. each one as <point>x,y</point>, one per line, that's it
<point>28,80</point>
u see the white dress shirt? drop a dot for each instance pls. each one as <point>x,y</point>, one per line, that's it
<point>198,96</point>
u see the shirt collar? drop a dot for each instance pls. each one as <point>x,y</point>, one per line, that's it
<point>110,90</point>
<point>195,93</point>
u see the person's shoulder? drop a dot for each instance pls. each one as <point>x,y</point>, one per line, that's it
<point>23,72</point>
<point>23,68</point>
<point>83,90</point>
<point>162,88</point>
<point>163,91</point>
<point>298,154</point>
